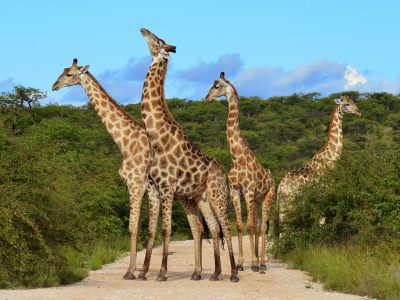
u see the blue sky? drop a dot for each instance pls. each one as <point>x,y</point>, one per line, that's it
<point>266,48</point>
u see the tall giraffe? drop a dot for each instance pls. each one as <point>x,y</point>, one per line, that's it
<point>132,141</point>
<point>247,176</point>
<point>294,180</point>
<point>179,168</point>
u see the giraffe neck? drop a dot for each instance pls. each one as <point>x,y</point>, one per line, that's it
<point>332,149</point>
<point>116,120</point>
<point>154,106</point>
<point>236,140</point>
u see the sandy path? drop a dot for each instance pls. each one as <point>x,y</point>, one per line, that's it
<point>277,284</point>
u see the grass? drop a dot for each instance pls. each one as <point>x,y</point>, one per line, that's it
<point>78,263</point>
<point>75,269</point>
<point>374,272</point>
<point>106,252</point>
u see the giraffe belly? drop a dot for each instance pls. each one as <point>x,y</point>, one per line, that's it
<point>188,183</point>
<point>191,185</point>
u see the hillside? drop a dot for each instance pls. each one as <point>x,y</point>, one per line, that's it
<point>61,192</point>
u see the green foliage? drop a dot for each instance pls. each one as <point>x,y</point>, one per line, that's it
<point>18,105</point>
<point>345,229</point>
<point>359,200</point>
<point>372,271</point>
<point>61,195</point>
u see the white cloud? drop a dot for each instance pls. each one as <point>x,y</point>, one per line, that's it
<point>6,85</point>
<point>322,76</point>
<point>353,78</point>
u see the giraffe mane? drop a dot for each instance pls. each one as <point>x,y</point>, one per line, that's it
<point>325,146</point>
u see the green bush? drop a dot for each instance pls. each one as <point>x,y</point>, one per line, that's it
<point>359,200</point>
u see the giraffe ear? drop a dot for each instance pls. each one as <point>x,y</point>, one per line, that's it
<point>85,69</point>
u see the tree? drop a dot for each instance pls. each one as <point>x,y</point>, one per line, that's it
<point>21,99</point>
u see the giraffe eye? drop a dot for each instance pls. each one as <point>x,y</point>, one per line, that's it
<point>216,87</point>
<point>69,75</point>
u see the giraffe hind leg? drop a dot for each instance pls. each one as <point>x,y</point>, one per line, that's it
<point>217,195</point>
<point>265,226</point>
<point>195,223</point>
<point>235,198</point>
<point>214,228</point>
<point>250,203</point>
<point>154,210</point>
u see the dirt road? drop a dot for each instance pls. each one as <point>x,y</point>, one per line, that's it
<point>277,284</point>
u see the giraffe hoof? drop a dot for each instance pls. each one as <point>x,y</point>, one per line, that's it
<point>263,268</point>
<point>142,277</point>
<point>196,276</point>
<point>240,267</point>
<point>162,277</point>
<point>214,277</point>
<point>234,278</point>
<point>129,276</point>
<point>255,268</point>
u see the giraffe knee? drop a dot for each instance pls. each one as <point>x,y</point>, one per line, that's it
<point>152,231</point>
<point>130,229</point>
<point>250,228</point>
<point>239,229</point>
<point>166,232</point>
<point>217,230</point>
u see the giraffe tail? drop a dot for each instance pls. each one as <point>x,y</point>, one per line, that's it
<point>206,230</point>
<point>221,236</point>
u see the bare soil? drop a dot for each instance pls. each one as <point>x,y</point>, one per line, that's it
<point>278,283</point>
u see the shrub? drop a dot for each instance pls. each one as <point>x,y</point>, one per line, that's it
<point>359,200</point>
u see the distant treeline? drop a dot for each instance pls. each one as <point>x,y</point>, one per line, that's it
<point>59,181</point>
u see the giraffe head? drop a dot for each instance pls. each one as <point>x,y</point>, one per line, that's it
<point>157,46</point>
<point>70,76</point>
<point>220,87</point>
<point>348,105</point>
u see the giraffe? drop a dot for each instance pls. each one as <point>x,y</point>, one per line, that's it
<point>324,159</point>
<point>247,176</point>
<point>132,141</point>
<point>180,169</point>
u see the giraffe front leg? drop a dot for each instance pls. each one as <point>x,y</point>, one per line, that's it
<point>249,196</point>
<point>154,210</point>
<point>265,208</point>
<point>213,225</point>
<point>136,193</point>
<point>192,214</point>
<point>235,198</point>
<point>166,202</point>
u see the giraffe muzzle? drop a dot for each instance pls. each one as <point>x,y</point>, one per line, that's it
<point>170,48</point>
<point>55,87</point>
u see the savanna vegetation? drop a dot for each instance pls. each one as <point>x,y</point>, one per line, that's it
<point>63,205</point>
